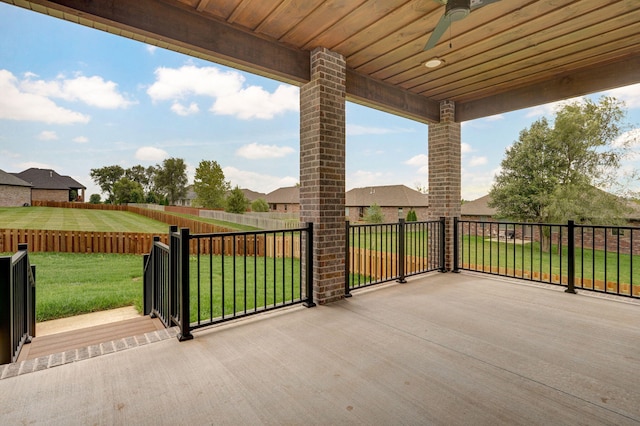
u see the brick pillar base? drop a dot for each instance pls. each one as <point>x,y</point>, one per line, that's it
<point>322,170</point>
<point>444,173</point>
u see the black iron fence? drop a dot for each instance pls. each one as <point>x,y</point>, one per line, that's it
<point>17,304</point>
<point>203,279</point>
<point>377,253</point>
<point>591,257</point>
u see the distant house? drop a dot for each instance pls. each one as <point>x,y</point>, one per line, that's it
<point>284,200</point>
<point>253,195</point>
<point>187,200</point>
<point>13,191</point>
<point>47,185</point>
<point>478,209</point>
<point>395,202</point>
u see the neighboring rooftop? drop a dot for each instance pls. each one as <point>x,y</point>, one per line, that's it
<point>287,195</point>
<point>478,207</point>
<point>11,180</point>
<point>386,196</point>
<point>48,179</point>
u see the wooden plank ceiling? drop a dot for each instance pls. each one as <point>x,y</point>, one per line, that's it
<point>506,55</point>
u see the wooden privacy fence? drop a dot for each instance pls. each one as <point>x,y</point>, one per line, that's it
<point>379,265</point>
<point>140,243</point>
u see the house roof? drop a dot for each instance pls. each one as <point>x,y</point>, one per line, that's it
<point>478,207</point>
<point>287,195</point>
<point>253,195</point>
<point>386,196</point>
<point>48,179</point>
<point>8,179</point>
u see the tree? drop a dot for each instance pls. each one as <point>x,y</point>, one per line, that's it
<point>171,179</point>
<point>374,214</point>
<point>127,191</point>
<point>209,185</point>
<point>236,201</point>
<point>94,199</point>
<point>106,177</point>
<point>259,205</point>
<point>412,216</point>
<point>553,172</point>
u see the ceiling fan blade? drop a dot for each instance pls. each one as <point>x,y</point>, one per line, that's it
<point>438,31</point>
<point>476,4</point>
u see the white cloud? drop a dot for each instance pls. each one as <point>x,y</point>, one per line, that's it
<point>255,102</point>
<point>477,161</point>
<point>465,148</point>
<point>357,130</point>
<point>421,161</point>
<point>93,91</point>
<point>629,94</point>
<point>551,108</point>
<point>48,135</point>
<point>188,80</point>
<point>630,139</point>
<point>363,178</point>
<point>80,139</point>
<point>226,88</point>
<point>182,110</point>
<point>29,164</point>
<point>151,49</point>
<point>18,104</point>
<point>257,181</point>
<point>254,151</point>
<point>150,153</point>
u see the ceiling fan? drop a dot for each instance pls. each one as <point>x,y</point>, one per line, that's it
<point>454,10</point>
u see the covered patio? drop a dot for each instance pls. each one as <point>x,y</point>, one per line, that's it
<point>441,349</point>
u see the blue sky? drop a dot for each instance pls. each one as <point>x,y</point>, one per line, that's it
<point>73,99</point>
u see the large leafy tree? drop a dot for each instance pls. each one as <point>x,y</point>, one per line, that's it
<point>171,179</point>
<point>209,185</point>
<point>106,177</point>
<point>127,191</point>
<point>553,172</point>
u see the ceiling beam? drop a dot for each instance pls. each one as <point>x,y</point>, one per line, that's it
<point>376,94</point>
<point>579,83</point>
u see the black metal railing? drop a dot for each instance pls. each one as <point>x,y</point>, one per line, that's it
<point>377,253</point>
<point>591,257</point>
<point>17,304</point>
<point>237,274</point>
<point>203,279</point>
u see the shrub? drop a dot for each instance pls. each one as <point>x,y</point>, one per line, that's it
<point>374,214</point>
<point>260,205</point>
<point>412,216</point>
<point>95,199</point>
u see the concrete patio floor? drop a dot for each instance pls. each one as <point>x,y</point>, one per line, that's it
<point>441,349</point>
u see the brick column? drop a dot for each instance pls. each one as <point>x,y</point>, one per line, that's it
<point>444,173</point>
<point>322,170</point>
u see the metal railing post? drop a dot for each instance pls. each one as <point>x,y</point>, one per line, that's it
<point>401,253</point>
<point>146,299</point>
<point>5,310</point>
<point>347,260</point>
<point>309,266</point>
<point>456,247</point>
<point>185,314</point>
<point>443,240</point>
<point>32,314</point>
<point>28,310</point>
<point>173,273</point>
<point>571,258</point>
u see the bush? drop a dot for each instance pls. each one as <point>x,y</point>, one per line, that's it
<point>374,214</point>
<point>95,199</point>
<point>236,202</point>
<point>412,216</point>
<point>260,205</point>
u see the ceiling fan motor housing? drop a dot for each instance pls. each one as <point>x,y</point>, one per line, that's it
<point>455,10</point>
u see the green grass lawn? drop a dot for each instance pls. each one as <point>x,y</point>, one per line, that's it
<point>53,218</point>
<point>528,257</point>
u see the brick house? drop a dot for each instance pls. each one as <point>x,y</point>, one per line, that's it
<point>395,202</point>
<point>284,200</point>
<point>13,190</point>
<point>47,185</point>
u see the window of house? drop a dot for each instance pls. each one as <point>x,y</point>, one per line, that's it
<point>617,231</point>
